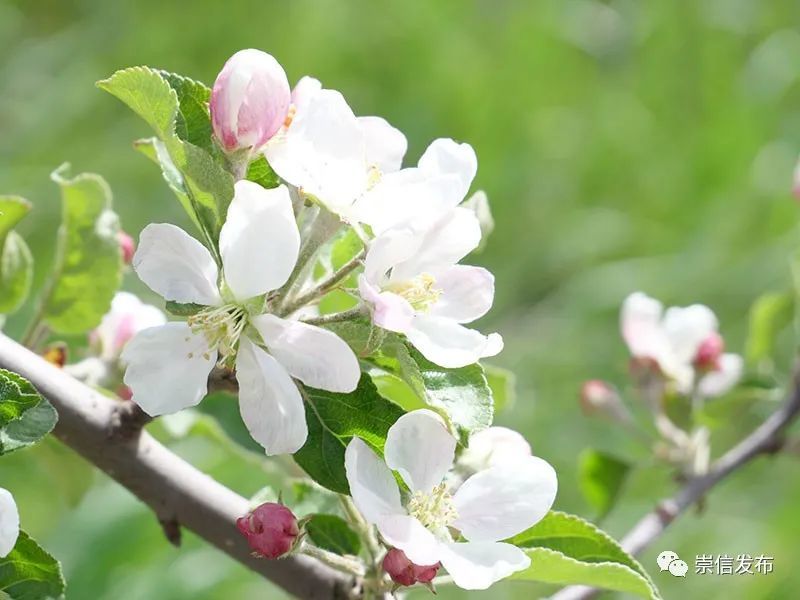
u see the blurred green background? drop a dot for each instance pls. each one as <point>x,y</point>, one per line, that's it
<point>624,145</point>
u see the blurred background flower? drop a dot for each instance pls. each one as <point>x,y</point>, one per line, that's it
<point>623,146</point>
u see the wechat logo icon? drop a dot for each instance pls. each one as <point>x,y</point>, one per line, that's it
<point>670,561</point>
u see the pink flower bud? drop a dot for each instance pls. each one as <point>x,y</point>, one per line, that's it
<point>709,352</point>
<point>127,246</point>
<point>404,572</point>
<point>602,399</point>
<point>270,529</point>
<point>250,100</point>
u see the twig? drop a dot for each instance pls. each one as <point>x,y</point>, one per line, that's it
<point>325,286</point>
<point>179,494</point>
<point>345,315</point>
<point>767,438</point>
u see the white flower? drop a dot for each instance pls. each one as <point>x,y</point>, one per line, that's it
<point>168,366</point>
<point>9,522</point>
<point>683,342</point>
<point>490,506</point>
<point>415,287</point>
<point>494,446</point>
<point>328,152</point>
<point>127,317</point>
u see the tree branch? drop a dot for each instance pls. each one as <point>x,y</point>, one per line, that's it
<point>767,438</point>
<point>101,430</point>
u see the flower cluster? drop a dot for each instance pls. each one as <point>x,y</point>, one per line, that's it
<point>349,170</point>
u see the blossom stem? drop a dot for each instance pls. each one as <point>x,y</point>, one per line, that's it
<point>325,286</point>
<point>345,315</point>
<point>340,563</point>
<point>364,528</point>
<point>320,231</point>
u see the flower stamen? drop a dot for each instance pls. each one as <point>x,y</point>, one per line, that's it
<point>435,510</point>
<point>420,292</point>
<point>222,327</point>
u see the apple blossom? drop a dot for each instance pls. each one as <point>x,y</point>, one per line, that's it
<point>271,529</point>
<point>493,446</point>
<point>683,342</point>
<point>168,366</point>
<point>404,572</point>
<point>414,286</point>
<point>492,505</point>
<point>249,101</point>
<point>328,153</point>
<point>127,317</point>
<point>9,522</point>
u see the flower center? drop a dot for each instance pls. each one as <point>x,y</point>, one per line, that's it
<point>373,176</point>
<point>435,510</point>
<point>222,327</point>
<point>420,292</point>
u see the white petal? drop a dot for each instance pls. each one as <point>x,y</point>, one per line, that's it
<point>411,536</point>
<point>269,401</point>
<point>372,485</point>
<point>176,266</point>
<point>467,293</point>
<point>687,328</point>
<point>494,446</point>
<point>323,153</point>
<point>504,500</point>
<point>303,93</point>
<point>477,565</point>
<point>421,449</point>
<point>389,310</point>
<point>449,344</point>
<point>386,145</point>
<point>389,249</point>
<point>259,241</point>
<point>405,196</point>
<point>446,156</point>
<point>717,383</point>
<point>9,522</point>
<point>315,356</point>
<point>447,241</point>
<point>168,368</point>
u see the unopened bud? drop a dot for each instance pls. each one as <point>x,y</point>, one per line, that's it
<point>271,529</point>
<point>709,352</point>
<point>127,246</point>
<point>602,399</point>
<point>796,181</point>
<point>250,100</point>
<point>404,572</point>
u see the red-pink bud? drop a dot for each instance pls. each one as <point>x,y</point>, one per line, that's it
<point>404,572</point>
<point>602,399</point>
<point>250,100</point>
<point>127,246</point>
<point>707,357</point>
<point>270,529</point>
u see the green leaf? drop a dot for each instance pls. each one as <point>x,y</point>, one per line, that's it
<point>393,388</point>
<point>261,172</point>
<point>333,419</point>
<point>360,334</point>
<point>30,573</point>
<point>463,394</point>
<point>183,310</point>
<point>332,533</point>
<point>148,94</point>
<point>192,121</point>
<point>25,417</point>
<point>16,261</point>
<point>16,272</point>
<point>202,185</point>
<point>503,384</point>
<point>89,261</point>
<point>16,396</point>
<point>601,477</point>
<point>12,210</point>
<point>769,315</point>
<point>566,550</point>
